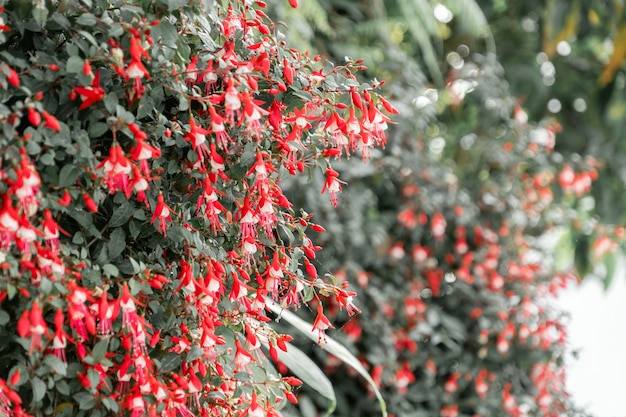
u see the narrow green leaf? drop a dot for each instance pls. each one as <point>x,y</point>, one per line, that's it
<point>305,369</point>
<point>332,346</point>
<point>610,263</point>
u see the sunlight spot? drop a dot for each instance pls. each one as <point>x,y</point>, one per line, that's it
<point>442,13</point>
<point>563,48</point>
<point>554,105</point>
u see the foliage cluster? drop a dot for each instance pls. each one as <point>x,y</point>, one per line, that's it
<point>450,231</point>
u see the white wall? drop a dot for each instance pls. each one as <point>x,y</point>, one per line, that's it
<point>598,329</point>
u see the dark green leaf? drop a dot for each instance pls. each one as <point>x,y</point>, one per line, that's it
<point>117,243</point>
<point>146,105</point>
<point>121,215</point>
<point>170,362</point>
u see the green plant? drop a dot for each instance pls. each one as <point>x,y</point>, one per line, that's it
<point>143,222</point>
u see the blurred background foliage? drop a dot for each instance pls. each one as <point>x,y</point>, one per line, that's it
<point>499,103</point>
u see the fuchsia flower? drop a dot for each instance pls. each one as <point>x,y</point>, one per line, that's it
<point>321,324</point>
<point>51,230</point>
<point>142,151</point>
<point>332,185</point>
<point>242,357</point>
<point>91,94</point>
<point>197,138</point>
<point>60,338</point>
<point>9,222</point>
<point>117,169</point>
<point>136,69</point>
<point>26,186</point>
<point>33,326</point>
<point>51,121</point>
<point>163,213</point>
<point>218,129</point>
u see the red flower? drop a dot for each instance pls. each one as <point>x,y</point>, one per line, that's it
<point>321,324</point>
<point>34,117</point>
<point>197,137</point>
<point>163,213</point>
<point>333,185</point>
<point>9,222</point>
<point>117,169</point>
<point>51,230</point>
<point>91,205</point>
<point>60,338</point>
<point>12,78</point>
<point>91,94</point>
<point>242,356</point>
<point>51,121</point>
<point>32,325</point>
<point>142,150</point>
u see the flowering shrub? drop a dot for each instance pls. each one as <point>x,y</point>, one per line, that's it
<point>143,223</point>
<point>446,240</point>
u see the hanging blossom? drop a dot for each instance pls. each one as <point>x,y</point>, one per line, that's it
<point>117,169</point>
<point>332,185</point>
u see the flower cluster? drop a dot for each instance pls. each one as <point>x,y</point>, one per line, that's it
<point>143,223</point>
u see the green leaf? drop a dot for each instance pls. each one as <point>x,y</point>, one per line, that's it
<point>121,215</point>
<point>68,175</point>
<point>39,388</point>
<point>74,64</point>
<point>97,129</point>
<point>146,105</point>
<point>331,346</point>
<point>581,255</point>
<point>4,318</point>
<point>85,400</point>
<point>305,369</point>
<point>86,221</point>
<point>610,263</point>
<point>86,19</point>
<point>170,362</point>
<point>117,243</point>
<point>56,364</point>
<point>110,404</point>
<point>194,353</point>
<point>110,270</point>
<point>100,350</point>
